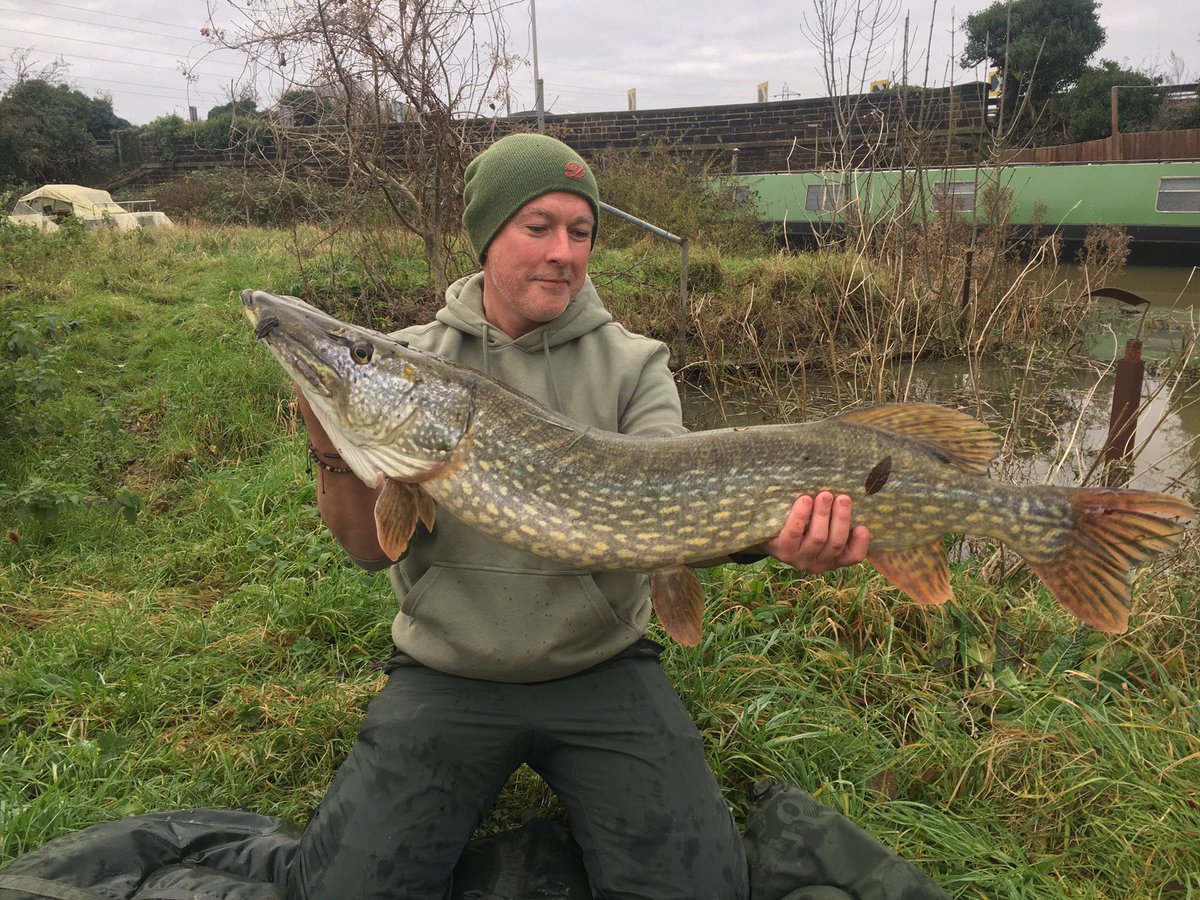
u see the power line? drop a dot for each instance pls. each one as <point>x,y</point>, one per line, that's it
<point>192,91</point>
<point>118,62</point>
<point>118,15</point>
<point>114,81</point>
<point>59,37</point>
<point>158,34</point>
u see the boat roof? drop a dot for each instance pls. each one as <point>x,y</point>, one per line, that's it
<point>76,195</point>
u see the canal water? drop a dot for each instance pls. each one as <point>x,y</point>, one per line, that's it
<point>1063,430</point>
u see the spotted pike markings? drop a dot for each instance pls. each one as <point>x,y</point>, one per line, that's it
<point>431,431</point>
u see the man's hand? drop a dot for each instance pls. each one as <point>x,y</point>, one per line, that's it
<point>817,535</point>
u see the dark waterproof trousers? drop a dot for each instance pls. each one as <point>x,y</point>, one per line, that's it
<point>614,743</point>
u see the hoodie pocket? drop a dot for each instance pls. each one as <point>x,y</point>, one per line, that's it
<point>508,593</point>
<point>496,619</point>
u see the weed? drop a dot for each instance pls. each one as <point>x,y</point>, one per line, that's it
<point>185,632</point>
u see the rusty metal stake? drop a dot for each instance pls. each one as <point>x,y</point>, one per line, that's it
<point>1127,395</point>
<point>1122,421</point>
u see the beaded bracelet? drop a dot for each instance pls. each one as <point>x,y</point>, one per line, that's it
<point>315,455</point>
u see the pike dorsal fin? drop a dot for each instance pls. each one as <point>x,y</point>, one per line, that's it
<point>956,437</point>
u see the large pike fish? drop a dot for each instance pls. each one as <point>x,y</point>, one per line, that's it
<point>430,432</point>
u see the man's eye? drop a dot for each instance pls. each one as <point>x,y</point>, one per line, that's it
<point>582,234</point>
<point>536,229</point>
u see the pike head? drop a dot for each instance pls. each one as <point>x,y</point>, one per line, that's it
<point>391,411</point>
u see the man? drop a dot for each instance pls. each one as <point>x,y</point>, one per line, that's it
<point>503,658</point>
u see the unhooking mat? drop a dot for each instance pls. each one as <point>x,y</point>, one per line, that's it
<point>796,849</point>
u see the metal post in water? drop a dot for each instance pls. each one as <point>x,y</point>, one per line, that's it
<point>1127,395</point>
<point>1123,420</point>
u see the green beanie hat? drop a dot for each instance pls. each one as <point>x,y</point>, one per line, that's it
<point>515,170</point>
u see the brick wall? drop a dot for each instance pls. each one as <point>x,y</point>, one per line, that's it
<point>756,137</point>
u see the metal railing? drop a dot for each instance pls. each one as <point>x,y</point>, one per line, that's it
<point>683,270</point>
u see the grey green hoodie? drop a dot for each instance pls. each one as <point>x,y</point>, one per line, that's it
<point>474,607</point>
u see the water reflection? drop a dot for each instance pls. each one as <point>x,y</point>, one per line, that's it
<point>1166,325</point>
<point>1164,286</point>
<point>1063,416</point>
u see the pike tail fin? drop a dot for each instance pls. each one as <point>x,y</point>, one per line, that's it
<point>1115,531</point>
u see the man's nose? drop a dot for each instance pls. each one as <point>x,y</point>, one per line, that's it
<point>559,247</point>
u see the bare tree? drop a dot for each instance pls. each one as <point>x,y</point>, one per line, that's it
<point>398,89</point>
<point>851,38</point>
<point>23,69</point>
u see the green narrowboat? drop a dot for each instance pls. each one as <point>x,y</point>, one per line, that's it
<point>1157,203</point>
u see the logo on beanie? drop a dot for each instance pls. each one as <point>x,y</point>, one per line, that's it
<point>575,170</point>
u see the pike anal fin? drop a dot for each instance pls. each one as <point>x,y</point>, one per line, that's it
<point>921,572</point>
<point>1115,531</point>
<point>678,599</point>
<point>398,508</point>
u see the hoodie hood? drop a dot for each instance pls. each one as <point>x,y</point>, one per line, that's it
<point>464,312</point>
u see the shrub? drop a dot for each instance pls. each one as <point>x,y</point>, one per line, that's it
<point>227,197</point>
<point>678,192</point>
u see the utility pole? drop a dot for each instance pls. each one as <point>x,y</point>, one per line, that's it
<point>1115,143</point>
<point>537,81</point>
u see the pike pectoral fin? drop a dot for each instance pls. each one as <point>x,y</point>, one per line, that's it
<point>921,572</point>
<point>679,603</point>
<point>399,507</point>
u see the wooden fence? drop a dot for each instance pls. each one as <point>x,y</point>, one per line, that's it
<point>1149,145</point>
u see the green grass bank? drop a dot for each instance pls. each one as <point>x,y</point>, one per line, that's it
<point>177,628</point>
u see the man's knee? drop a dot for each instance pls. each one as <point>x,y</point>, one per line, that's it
<point>673,863</point>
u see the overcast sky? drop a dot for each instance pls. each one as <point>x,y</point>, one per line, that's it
<point>674,52</point>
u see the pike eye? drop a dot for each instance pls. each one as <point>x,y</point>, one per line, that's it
<point>361,352</point>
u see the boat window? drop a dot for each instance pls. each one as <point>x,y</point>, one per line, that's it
<point>958,196</point>
<point>823,197</point>
<point>1178,195</point>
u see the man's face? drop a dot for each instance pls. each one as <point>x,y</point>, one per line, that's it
<point>537,262</point>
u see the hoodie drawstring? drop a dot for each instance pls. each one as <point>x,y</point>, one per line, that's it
<point>558,406</point>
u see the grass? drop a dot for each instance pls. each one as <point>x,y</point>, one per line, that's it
<point>177,628</point>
